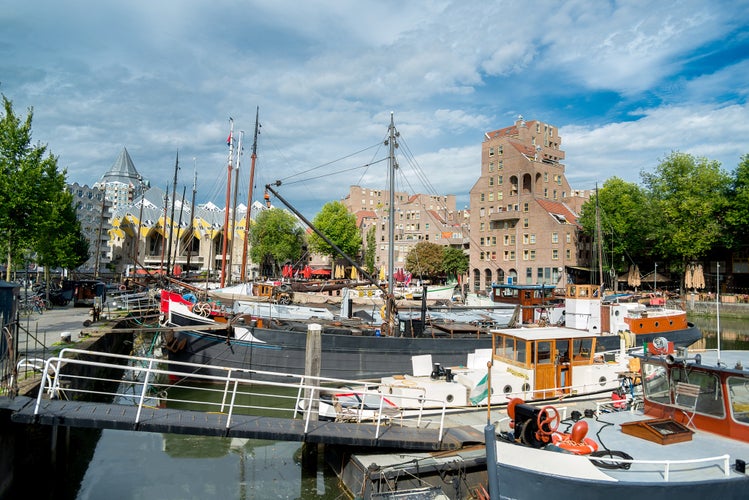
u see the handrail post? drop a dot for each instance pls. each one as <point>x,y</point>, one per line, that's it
<point>231,405</point>
<point>143,391</point>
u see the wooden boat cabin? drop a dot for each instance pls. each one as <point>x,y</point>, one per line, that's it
<point>528,297</point>
<point>698,391</point>
<point>552,361</point>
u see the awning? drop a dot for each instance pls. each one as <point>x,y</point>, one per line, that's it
<point>320,272</point>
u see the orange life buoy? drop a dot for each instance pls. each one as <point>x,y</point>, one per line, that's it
<point>123,288</point>
<point>575,442</point>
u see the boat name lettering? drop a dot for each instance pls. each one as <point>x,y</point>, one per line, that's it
<point>517,373</point>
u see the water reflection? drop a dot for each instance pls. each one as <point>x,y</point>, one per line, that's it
<point>734,332</point>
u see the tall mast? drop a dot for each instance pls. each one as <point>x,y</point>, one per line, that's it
<point>171,217</point>
<point>393,166</point>
<point>234,204</point>
<point>599,247</point>
<point>230,141</point>
<point>192,212</point>
<point>140,224</point>
<point>163,243</point>
<point>179,225</point>
<point>243,271</point>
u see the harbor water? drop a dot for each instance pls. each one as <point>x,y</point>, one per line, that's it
<point>126,465</point>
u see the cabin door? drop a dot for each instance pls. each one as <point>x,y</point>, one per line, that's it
<point>545,369</point>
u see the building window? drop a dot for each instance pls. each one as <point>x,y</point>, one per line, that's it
<point>499,194</point>
<point>533,239</point>
<point>482,212</point>
<point>525,254</point>
<point>546,192</point>
<point>491,166</point>
<point>525,238</point>
<point>540,274</point>
<point>546,176</point>
<point>555,237</point>
<point>499,149</point>
<point>500,179</point>
<point>491,180</point>
<point>555,254</point>
<point>525,223</point>
<point>525,206</point>
<point>533,255</point>
<point>569,239</point>
<point>567,253</point>
<point>491,151</point>
<point>529,273</point>
<point>482,196</point>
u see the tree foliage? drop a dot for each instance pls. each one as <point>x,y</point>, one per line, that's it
<point>688,197</point>
<point>737,212</point>
<point>454,262</point>
<point>36,212</point>
<point>336,223</point>
<point>370,250</point>
<point>276,238</point>
<point>625,221</point>
<point>425,260</point>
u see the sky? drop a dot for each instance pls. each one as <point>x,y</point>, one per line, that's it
<point>625,82</point>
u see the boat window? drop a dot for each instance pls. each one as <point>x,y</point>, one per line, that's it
<point>520,351</point>
<point>710,400</point>
<point>738,396</point>
<point>655,383</point>
<point>505,347</point>
<point>543,348</point>
<point>582,349</point>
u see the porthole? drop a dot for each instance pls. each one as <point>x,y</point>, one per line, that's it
<point>526,387</point>
<point>602,381</point>
<point>507,389</point>
<point>450,398</point>
<point>656,324</point>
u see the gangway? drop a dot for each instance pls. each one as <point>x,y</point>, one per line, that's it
<point>159,395</point>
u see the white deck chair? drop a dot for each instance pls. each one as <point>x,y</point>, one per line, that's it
<point>685,397</point>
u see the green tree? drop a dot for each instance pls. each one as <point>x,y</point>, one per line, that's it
<point>737,212</point>
<point>35,211</point>
<point>454,262</point>
<point>371,250</point>
<point>59,240</point>
<point>688,198</point>
<point>425,260</point>
<point>276,238</point>
<point>626,217</point>
<point>335,222</point>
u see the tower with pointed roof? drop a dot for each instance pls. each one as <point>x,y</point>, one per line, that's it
<point>122,182</point>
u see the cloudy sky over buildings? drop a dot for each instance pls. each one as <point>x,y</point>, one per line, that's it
<point>626,83</point>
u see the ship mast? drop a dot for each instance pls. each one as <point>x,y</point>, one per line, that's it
<point>171,217</point>
<point>234,204</point>
<point>393,166</point>
<point>243,271</point>
<point>192,213</point>
<point>228,202</point>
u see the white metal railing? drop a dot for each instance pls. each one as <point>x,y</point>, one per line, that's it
<point>147,382</point>
<point>668,464</point>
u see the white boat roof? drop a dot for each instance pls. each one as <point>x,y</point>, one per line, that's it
<point>545,333</point>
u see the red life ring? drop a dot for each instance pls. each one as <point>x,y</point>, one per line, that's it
<point>575,442</point>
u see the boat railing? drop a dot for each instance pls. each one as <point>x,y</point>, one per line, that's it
<point>147,382</point>
<point>668,465</point>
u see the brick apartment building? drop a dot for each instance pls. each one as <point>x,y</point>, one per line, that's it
<point>418,217</point>
<point>524,213</point>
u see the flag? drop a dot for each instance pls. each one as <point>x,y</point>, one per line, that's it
<point>228,140</point>
<point>481,391</point>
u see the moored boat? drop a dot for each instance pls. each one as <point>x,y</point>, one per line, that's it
<point>688,439</point>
